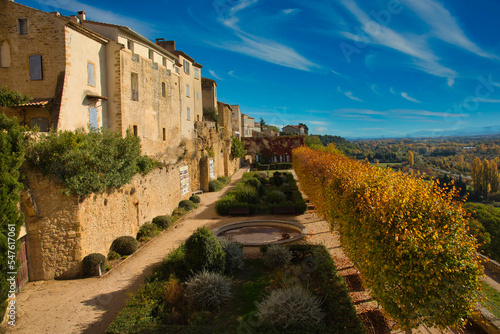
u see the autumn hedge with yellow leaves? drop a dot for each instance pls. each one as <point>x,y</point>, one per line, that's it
<point>408,238</point>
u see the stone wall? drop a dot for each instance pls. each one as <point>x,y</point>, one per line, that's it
<point>63,229</point>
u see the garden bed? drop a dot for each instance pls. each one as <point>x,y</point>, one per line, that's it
<point>154,309</point>
<point>263,193</point>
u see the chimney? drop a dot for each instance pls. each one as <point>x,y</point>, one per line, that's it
<point>74,18</point>
<point>56,13</point>
<point>81,16</point>
<point>167,45</point>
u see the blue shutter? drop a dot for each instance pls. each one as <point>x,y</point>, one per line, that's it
<point>93,118</point>
<point>36,67</point>
<point>90,71</point>
<point>188,113</point>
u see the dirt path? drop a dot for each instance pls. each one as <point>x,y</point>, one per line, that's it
<point>90,305</point>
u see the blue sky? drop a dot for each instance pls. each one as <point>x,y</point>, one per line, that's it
<point>367,68</point>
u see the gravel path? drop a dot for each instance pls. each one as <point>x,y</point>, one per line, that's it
<point>90,305</point>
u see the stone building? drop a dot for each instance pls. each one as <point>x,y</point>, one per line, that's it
<point>209,92</point>
<point>81,74</point>
<point>295,129</point>
<point>236,120</point>
<point>59,63</point>
<point>247,125</point>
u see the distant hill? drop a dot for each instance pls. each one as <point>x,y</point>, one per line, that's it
<point>475,131</point>
<point>348,147</point>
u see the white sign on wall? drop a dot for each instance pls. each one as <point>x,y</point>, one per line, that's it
<point>184,174</point>
<point>211,169</point>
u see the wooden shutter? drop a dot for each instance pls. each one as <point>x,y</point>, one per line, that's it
<point>36,67</point>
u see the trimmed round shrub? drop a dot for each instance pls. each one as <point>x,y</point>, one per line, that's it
<point>254,182</point>
<point>113,256</point>
<point>147,231</point>
<point>224,204</point>
<point>162,222</point>
<point>224,179</point>
<point>92,262</point>
<point>195,199</point>
<point>276,196</point>
<point>125,245</point>
<point>208,290</point>
<point>186,204</point>
<point>203,251</point>
<point>215,185</point>
<point>234,255</point>
<point>277,256</point>
<point>246,194</point>
<point>292,307</point>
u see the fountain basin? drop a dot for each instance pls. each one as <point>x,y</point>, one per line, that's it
<point>262,232</point>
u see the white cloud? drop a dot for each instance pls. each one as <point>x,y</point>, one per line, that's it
<point>377,34</point>
<point>392,90</point>
<point>317,122</point>
<point>212,73</point>
<point>372,87</point>
<point>290,11</point>
<point>444,25</point>
<point>101,15</point>
<point>409,98</point>
<point>259,47</point>
<point>349,95</point>
<point>486,100</point>
<point>242,5</point>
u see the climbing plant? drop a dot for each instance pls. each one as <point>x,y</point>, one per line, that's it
<point>12,151</point>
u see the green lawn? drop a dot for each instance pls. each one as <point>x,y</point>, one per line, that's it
<point>493,296</point>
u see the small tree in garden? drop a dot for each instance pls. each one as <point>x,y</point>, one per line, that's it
<point>237,148</point>
<point>10,98</point>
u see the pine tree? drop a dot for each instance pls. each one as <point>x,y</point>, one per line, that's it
<point>411,158</point>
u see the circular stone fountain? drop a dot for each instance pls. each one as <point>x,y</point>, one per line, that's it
<point>262,232</point>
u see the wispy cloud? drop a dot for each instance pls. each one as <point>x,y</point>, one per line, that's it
<point>290,11</point>
<point>349,95</point>
<point>486,100</point>
<point>444,26</point>
<point>259,47</point>
<point>409,98</point>
<point>422,55</point>
<point>99,14</point>
<point>317,122</point>
<point>212,73</point>
<point>397,113</point>
<point>392,90</point>
<point>372,87</point>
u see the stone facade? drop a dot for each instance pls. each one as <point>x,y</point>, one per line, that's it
<point>48,60</point>
<point>236,120</point>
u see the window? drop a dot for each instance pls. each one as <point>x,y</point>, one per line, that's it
<point>188,93</point>
<point>198,118</point>
<point>93,118</point>
<point>36,72</point>
<point>91,74</point>
<point>136,132</point>
<point>164,132</point>
<point>23,26</point>
<point>41,122</point>
<point>186,67</point>
<point>151,54</point>
<point>134,87</point>
<point>177,70</point>
<point>164,61</point>
<point>234,115</point>
<point>196,73</point>
<point>5,58</point>
<point>163,90</point>
<point>197,95</point>
<point>130,45</point>
<point>188,113</point>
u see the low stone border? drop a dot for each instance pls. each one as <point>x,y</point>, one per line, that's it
<point>492,265</point>
<point>486,320</point>
<point>301,228</point>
